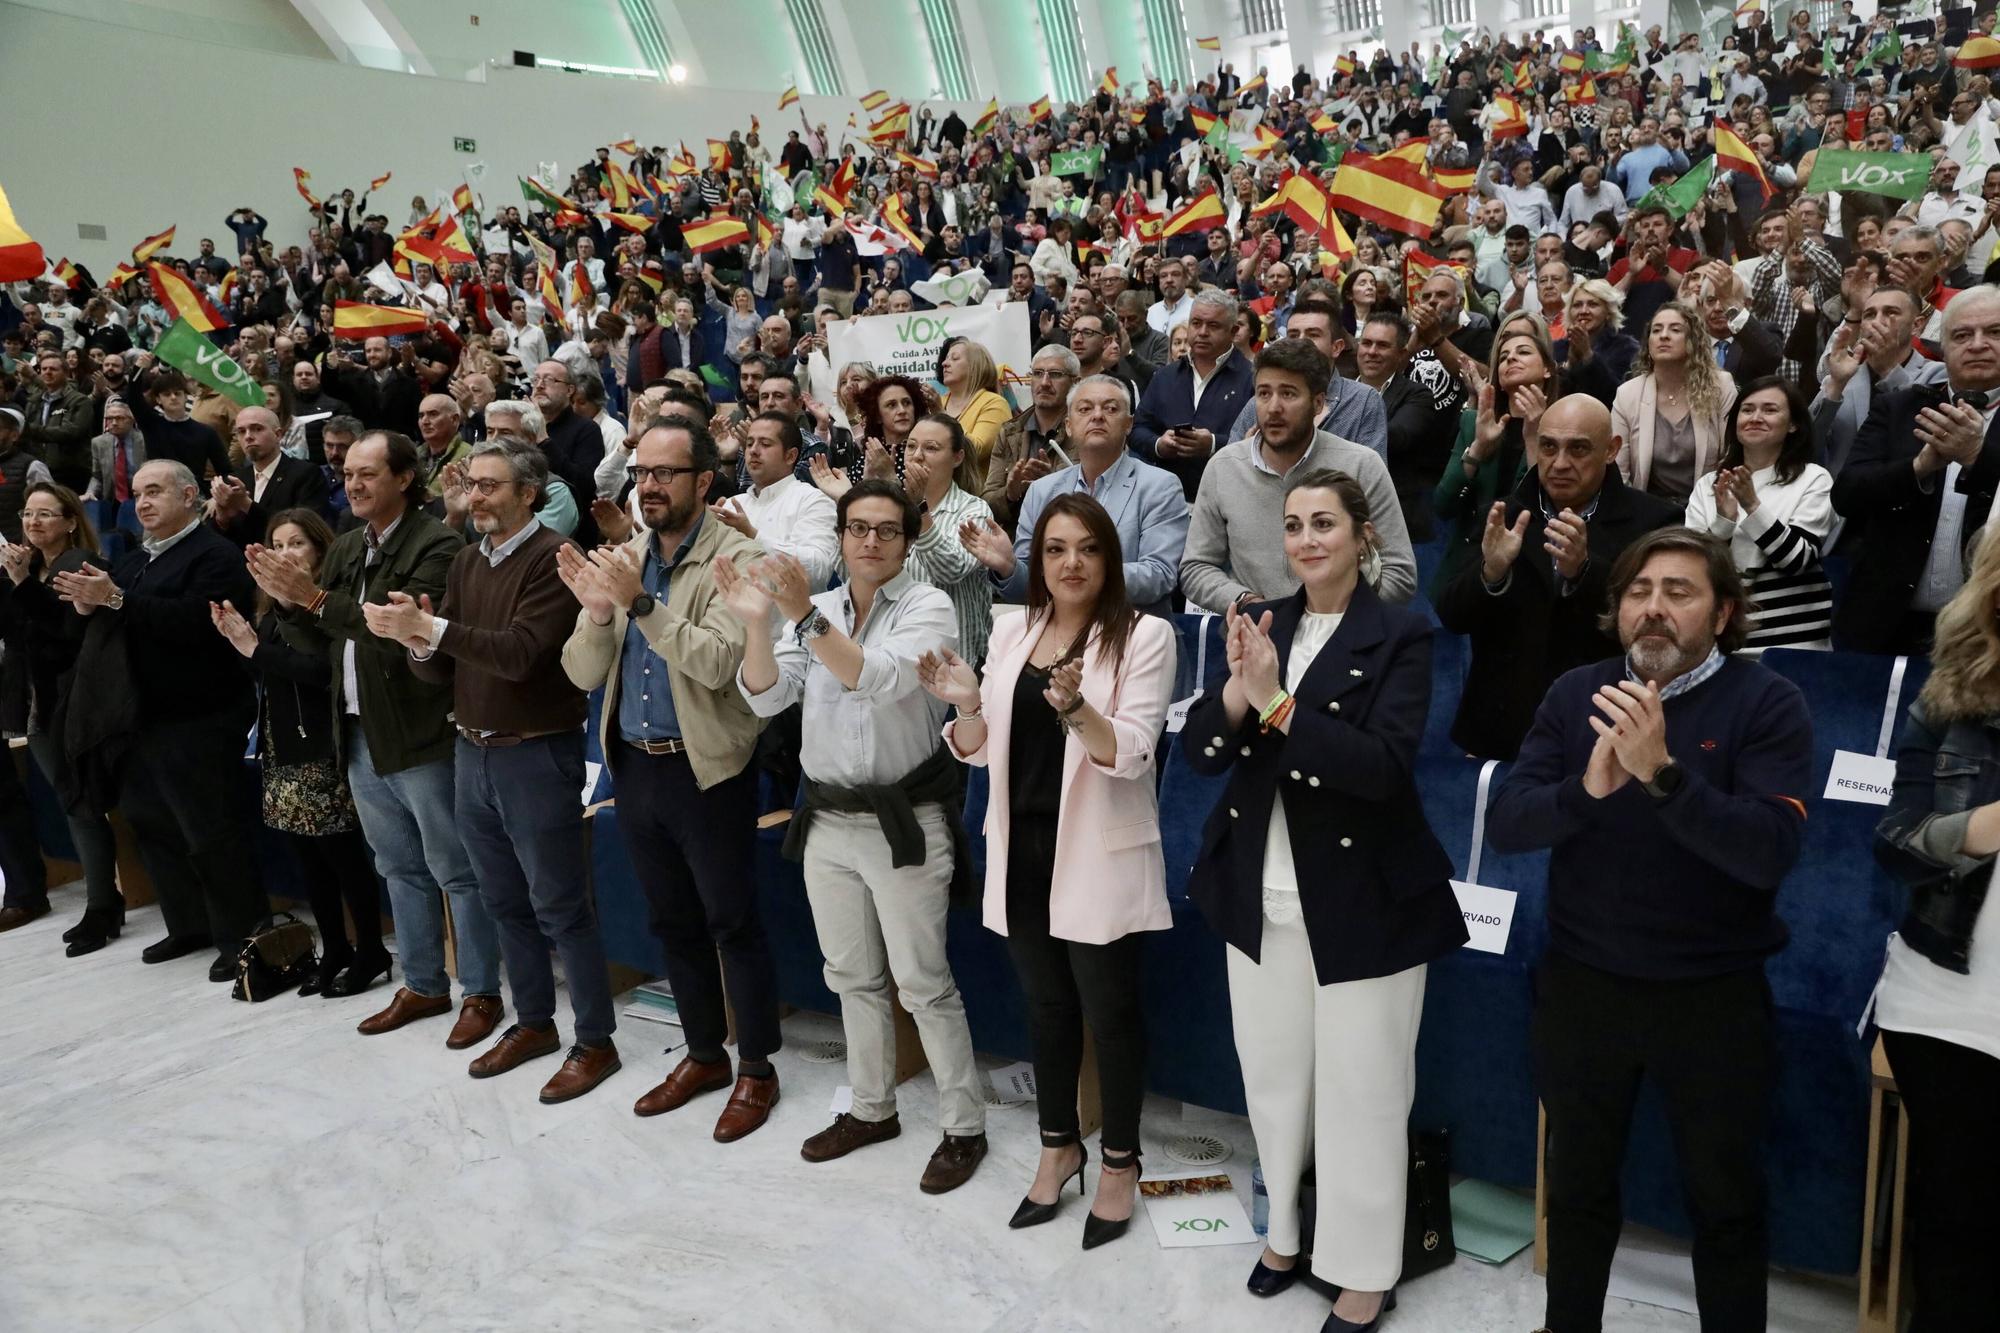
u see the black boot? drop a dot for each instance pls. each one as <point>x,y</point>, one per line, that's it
<point>99,927</point>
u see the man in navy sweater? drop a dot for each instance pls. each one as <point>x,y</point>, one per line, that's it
<point>1667,784</point>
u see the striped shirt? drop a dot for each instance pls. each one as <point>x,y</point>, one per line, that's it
<point>1777,550</point>
<point>939,558</point>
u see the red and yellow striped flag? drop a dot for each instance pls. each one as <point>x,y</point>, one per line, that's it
<point>1571,62</point>
<point>1334,241</point>
<point>21,260</point>
<point>121,275</point>
<point>183,300</point>
<point>842,182</point>
<point>1979,52</point>
<point>1202,121</point>
<point>1343,65</point>
<point>1419,268</point>
<point>302,180</point>
<point>1109,83</point>
<point>1204,212</point>
<point>766,234</point>
<point>581,293</point>
<point>1250,87</point>
<point>718,154</point>
<point>379,181</point>
<point>451,243</point>
<point>894,124</point>
<point>225,291</point>
<point>629,147</point>
<point>1455,179</point>
<point>359,319</point>
<point>1268,139</point>
<point>1732,154</point>
<point>989,119</point>
<point>70,277</point>
<point>1323,123</point>
<point>871,101</point>
<point>545,275</point>
<point>1524,75</point>
<point>832,203</point>
<point>461,199</point>
<point>790,97</point>
<point>619,186</point>
<point>1145,227</point>
<point>1388,192</point>
<point>928,170</point>
<point>1513,121</point>
<point>897,220</point>
<point>1039,110</point>
<point>152,245</point>
<point>637,222</point>
<point>682,163</point>
<point>1208,43</point>
<point>714,232</point>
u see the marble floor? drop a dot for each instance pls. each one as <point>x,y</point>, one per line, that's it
<point>172,1159</point>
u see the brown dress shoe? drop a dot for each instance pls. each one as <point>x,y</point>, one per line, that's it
<point>749,1107</point>
<point>586,1067</point>
<point>846,1134</point>
<point>689,1080</point>
<point>477,1018</point>
<point>956,1158</point>
<point>407,1007</point>
<point>517,1046</point>
<point>13,917</point>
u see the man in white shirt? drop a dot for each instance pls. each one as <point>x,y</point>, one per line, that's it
<point>524,340</point>
<point>778,511</point>
<point>1174,304</point>
<point>1946,200</point>
<point>1590,196</point>
<point>593,268</point>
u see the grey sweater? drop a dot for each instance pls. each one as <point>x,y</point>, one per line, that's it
<point>1236,533</point>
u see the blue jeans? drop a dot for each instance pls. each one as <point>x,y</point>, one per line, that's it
<point>409,820</point>
<point>520,811</point>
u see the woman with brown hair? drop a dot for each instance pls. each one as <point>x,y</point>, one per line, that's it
<point>889,407</point>
<point>1065,722</point>
<point>305,793</point>
<point>39,641</point>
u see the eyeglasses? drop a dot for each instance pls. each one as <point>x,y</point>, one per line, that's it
<point>884,532</point>
<point>549,379</point>
<point>486,485</point>
<point>42,513</point>
<point>665,474</point>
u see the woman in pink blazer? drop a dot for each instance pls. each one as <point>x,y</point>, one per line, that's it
<point>1066,722</point>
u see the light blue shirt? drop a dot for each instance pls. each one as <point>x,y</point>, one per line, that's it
<point>495,554</point>
<point>1148,508</point>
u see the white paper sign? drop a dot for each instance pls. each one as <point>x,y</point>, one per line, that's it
<point>1489,915</point>
<point>1865,779</point>
<point>1015,1082</point>
<point>590,772</point>
<point>1178,710</point>
<point>1195,1208</point>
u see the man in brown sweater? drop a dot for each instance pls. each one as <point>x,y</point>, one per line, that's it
<point>498,639</point>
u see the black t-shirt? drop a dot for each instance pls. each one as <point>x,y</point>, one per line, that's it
<point>1035,748</point>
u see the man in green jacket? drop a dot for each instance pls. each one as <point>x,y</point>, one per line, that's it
<point>396,735</point>
<point>59,424</point>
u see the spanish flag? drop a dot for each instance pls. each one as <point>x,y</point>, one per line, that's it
<point>661,189</point>
<point>1571,62</point>
<point>545,275</point>
<point>1419,268</point>
<point>832,203</point>
<point>618,186</point>
<point>1343,65</point>
<point>152,245</point>
<point>581,294</point>
<point>897,220</point>
<point>682,163</point>
<point>225,291</point>
<point>181,298</point>
<point>718,154</point>
<point>1208,43</point>
<point>989,118</point>
<point>1586,93</point>
<point>790,97</point>
<point>1388,192</point>
<point>1109,83</point>
<point>766,234</point>
<point>1203,121</point>
<point>895,123</point>
<point>1455,179</point>
<point>1267,140</point>
<point>70,277</point>
<point>301,178</point>
<point>1979,52</point>
<point>1039,111</point>
<point>358,319</point>
<point>629,147</point>
<point>452,246</point>
<point>714,232</point>
<point>1334,241</point>
<point>1416,152</point>
<point>1524,75</point>
<point>1323,123</point>
<point>379,181</point>
<point>1204,212</point>
<point>461,199</point>
<point>928,170</point>
<point>841,184</point>
<point>1145,227</point>
<point>121,275</point>
<point>1250,87</point>
<point>637,222</point>
<point>1732,154</point>
<point>870,101</point>
<point>1512,121</point>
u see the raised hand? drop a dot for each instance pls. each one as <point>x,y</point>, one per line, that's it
<point>832,482</point>
<point>1488,428</point>
<point>1260,662</point>
<point>1567,541</point>
<point>614,523</point>
<point>584,584</point>
<point>1527,403</point>
<point>742,595</point>
<point>230,624</point>
<point>989,544</point>
<point>1845,354</point>
<point>1500,543</point>
<point>947,676</point>
<point>877,461</point>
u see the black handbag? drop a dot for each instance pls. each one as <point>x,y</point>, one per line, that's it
<point>1427,1238</point>
<point>278,955</point>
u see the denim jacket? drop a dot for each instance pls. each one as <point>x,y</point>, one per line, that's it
<point>1944,771</point>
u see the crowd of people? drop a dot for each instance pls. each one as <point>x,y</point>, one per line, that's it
<point>1620,436</point>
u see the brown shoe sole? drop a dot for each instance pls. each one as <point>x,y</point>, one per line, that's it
<point>578,1091</point>
<point>537,1053</point>
<point>763,1115</point>
<point>699,1089</point>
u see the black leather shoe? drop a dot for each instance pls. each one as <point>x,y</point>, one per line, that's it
<point>322,976</point>
<point>1335,1324</point>
<point>357,978</point>
<point>172,947</point>
<point>98,927</point>
<point>1032,1214</point>
<point>1270,1281</point>
<point>1102,1231</point>
<point>222,969</point>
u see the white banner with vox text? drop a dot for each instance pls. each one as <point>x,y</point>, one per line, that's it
<point>908,344</point>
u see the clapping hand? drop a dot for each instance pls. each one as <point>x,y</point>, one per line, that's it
<point>619,573</point>
<point>1488,428</point>
<point>1954,431</point>
<point>230,624</point>
<point>405,620</point>
<point>283,579</point>
<point>947,676</point>
<point>731,515</point>
<point>614,524</point>
<point>1065,687</point>
<point>1025,473</point>
<point>1579,343</point>
<point>1527,403</point>
<point>1500,543</point>
<point>1252,657</point>
<point>1567,541</point>
<point>742,594</point>
<point>989,544</point>
<point>832,481</point>
<point>85,589</point>
<point>1845,354</point>
<point>228,499</point>
<point>1636,727</point>
<point>1742,491</point>
<point>790,588</point>
<point>14,559</point>
<point>584,583</point>
<point>877,461</point>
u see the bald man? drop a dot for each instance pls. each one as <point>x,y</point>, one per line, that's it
<point>438,420</point>
<point>267,482</point>
<point>1532,597</point>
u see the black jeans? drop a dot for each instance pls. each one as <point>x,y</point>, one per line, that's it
<point>1949,1092</point>
<point>1707,1045</point>
<point>96,848</point>
<point>187,797</point>
<point>20,845</point>
<point>340,882</point>
<point>1067,985</point>
<point>695,854</point>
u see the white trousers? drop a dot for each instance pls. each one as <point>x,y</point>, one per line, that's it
<point>1329,1073</point>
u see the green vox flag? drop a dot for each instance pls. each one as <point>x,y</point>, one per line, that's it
<point>1450,40</point>
<point>1899,175</point>
<point>1684,193</point>
<point>184,348</point>
<point>1887,53</point>
<point>1076,162</point>
<point>714,378</point>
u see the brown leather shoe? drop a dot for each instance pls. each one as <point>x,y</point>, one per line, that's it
<point>749,1107</point>
<point>407,1007</point>
<point>956,1158</point>
<point>586,1067</point>
<point>689,1080</point>
<point>846,1134</point>
<point>517,1046</point>
<point>14,917</point>
<point>477,1018</point>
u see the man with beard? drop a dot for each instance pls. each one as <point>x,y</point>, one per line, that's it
<point>680,740</point>
<point>312,404</point>
<point>1667,783</point>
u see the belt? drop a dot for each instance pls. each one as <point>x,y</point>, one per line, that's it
<point>675,746</point>
<point>499,740</point>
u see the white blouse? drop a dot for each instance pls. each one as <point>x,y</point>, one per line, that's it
<point>1280,876</point>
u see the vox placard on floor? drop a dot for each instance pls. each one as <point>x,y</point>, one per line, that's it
<point>1195,1208</point>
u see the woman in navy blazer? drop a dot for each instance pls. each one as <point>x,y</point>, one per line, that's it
<point>1320,870</point>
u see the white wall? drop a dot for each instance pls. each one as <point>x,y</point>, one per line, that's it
<point>255,25</point>
<point>227,131</point>
<point>592,31</point>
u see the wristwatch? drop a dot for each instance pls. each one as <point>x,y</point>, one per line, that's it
<point>117,599</point>
<point>1667,779</point>
<point>643,604</point>
<point>812,626</point>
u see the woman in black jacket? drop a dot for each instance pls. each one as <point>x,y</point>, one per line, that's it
<point>1938,1003</point>
<point>39,640</point>
<point>305,792</point>
<point>1320,871</point>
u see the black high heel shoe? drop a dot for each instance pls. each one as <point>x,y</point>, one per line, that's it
<point>98,927</point>
<point>1267,1281</point>
<point>1032,1214</point>
<point>1101,1230</point>
<point>1335,1324</point>
<point>358,977</point>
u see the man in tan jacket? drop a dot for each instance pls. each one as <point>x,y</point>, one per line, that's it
<point>679,740</point>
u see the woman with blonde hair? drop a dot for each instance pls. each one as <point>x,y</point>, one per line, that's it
<point>972,394</point>
<point>1938,1003</point>
<point>1671,413</point>
<point>1596,310</point>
